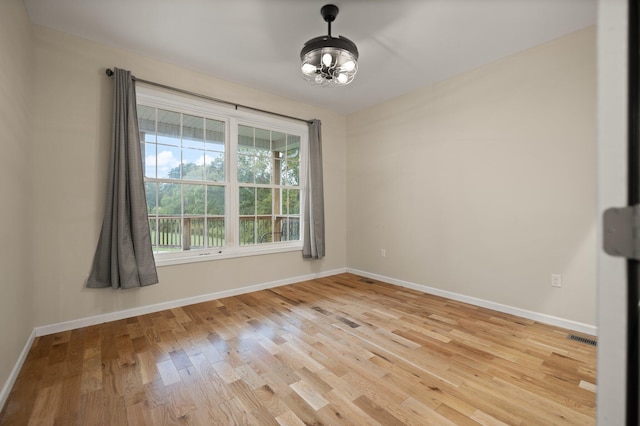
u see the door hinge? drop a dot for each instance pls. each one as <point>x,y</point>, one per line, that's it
<point>622,232</point>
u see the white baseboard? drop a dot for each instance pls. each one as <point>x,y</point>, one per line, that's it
<point>118,315</point>
<point>8,385</point>
<point>543,318</point>
<point>142,310</point>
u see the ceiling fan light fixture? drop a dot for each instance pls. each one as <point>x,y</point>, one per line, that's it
<point>329,61</point>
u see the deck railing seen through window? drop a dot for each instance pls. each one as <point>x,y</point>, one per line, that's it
<point>173,233</point>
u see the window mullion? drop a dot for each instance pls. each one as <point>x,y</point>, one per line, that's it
<point>182,220</point>
<point>156,184</point>
<point>233,188</point>
<point>205,182</point>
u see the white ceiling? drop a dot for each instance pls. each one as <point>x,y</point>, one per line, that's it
<point>403,44</point>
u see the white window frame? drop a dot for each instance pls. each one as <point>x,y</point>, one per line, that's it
<point>232,118</point>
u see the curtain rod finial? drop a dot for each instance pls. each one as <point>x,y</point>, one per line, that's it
<point>109,72</point>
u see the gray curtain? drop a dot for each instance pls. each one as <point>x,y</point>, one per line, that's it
<point>313,244</point>
<point>124,257</point>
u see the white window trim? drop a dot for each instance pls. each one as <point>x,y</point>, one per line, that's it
<point>232,118</point>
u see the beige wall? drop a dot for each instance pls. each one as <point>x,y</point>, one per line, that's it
<point>71,124</point>
<point>484,184</point>
<point>15,177</point>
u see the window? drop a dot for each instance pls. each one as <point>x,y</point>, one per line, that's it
<point>219,183</point>
<point>268,185</point>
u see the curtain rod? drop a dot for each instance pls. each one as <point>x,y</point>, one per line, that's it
<point>109,72</point>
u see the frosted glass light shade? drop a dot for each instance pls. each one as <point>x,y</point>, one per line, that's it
<point>308,68</point>
<point>326,65</point>
<point>348,66</point>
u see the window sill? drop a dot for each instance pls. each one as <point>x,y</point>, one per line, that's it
<point>222,253</point>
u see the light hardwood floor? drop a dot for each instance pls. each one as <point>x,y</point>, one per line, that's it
<point>337,350</point>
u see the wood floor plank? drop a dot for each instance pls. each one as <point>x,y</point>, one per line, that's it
<point>68,405</point>
<point>91,410</point>
<point>422,412</point>
<point>138,414</point>
<point>289,419</point>
<point>376,411</point>
<point>345,410</point>
<point>46,405</point>
<point>339,350</point>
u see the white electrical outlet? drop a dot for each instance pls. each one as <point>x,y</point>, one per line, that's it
<point>556,280</point>
<point>383,252</point>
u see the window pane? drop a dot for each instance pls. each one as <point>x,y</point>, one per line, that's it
<point>285,201</point>
<point>265,230</point>
<point>168,127</point>
<point>153,230</point>
<point>146,119</point>
<point>291,229</point>
<point>292,176</point>
<point>214,146</point>
<point>246,132</point>
<point>245,168</point>
<point>147,137</point>
<point>293,153</point>
<point>247,201</point>
<point>293,141</point>
<point>193,199</point>
<point>169,234</point>
<point>150,190</point>
<point>263,139</point>
<point>168,162</point>
<point>214,166</point>
<point>284,230</point>
<point>149,159</point>
<point>192,164</point>
<point>264,201</point>
<point>215,200</point>
<point>192,131</point>
<point>245,140</point>
<point>215,231</point>
<point>263,167</point>
<point>194,228</point>
<point>215,135</point>
<point>294,201</point>
<point>169,199</point>
<point>247,231</point>
<point>278,141</point>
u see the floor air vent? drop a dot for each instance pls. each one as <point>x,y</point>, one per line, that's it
<point>591,342</point>
<point>366,281</point>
